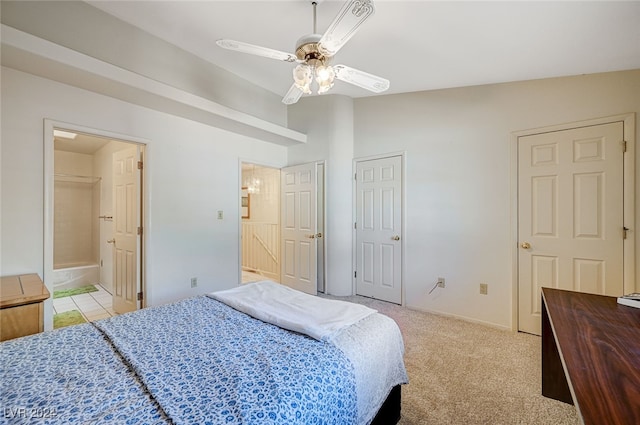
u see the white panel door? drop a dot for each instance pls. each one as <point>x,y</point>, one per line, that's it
<point>298,223</point>
<point>570,213</point>
<point>378,229</point>
<point>125,224</point>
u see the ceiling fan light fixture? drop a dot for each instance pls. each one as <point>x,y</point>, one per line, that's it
<point>302,77</point>
<point>324,77</point>
<point>324,87</point>
<point>325,74</point>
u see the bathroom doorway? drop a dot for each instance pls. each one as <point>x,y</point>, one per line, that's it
<point>94,224</point>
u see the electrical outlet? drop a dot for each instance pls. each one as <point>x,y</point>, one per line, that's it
<point>194,282</point>
<point>441,282</point>
<point>484,289</point>
<point>220,214</point>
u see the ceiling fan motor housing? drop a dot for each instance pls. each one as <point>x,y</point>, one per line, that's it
<point>308,51</point>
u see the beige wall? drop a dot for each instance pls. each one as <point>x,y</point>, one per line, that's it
<point>458,215</point>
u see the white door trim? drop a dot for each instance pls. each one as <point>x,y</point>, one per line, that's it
<point>628,121</point>
<point>322,221</point>
<point>49,125</point>
<point>403,161</point>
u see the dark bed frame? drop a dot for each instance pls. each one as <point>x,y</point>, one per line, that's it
<point>389,413</point>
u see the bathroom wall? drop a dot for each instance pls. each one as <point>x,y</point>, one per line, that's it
<point>76,202</point>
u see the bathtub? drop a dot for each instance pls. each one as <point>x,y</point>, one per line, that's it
<point>74,277</point>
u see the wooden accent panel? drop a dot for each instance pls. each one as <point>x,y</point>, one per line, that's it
<point>598,346</point>
<point>21,321</point>
<point>21,306</point>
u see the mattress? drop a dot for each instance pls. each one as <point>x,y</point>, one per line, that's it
<point>199,361</point>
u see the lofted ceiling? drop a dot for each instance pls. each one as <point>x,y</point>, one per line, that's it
<point>417,45</point>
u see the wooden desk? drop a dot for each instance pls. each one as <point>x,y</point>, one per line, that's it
<point>21,306</point>
<point>591,356</point>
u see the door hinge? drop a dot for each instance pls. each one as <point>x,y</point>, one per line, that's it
<point>139,230</point>
<point>355,225</point>
<point>355,274</point>
<point>625,230</point>
<point>624,146</point>
<point>139,165</point>
<point>355,176</point>
<point>139,296</point>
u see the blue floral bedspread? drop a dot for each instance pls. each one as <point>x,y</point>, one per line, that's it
<point>206,363</point>
<point>70,375</point>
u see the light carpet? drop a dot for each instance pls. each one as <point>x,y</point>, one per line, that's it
<point>466,373</point>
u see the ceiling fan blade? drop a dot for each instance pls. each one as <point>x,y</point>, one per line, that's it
<point>361,79</point>
<point>292,96</point>
<point>252,49</point>
<point>344,26</point>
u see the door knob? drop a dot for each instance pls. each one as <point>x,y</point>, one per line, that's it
<point>525,245</point>
<point>111,241</point>
<point>311,236</point>
<point>396,238</point>
<point>318,235</point>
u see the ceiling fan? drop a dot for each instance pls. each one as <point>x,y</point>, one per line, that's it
<point>314,53</point>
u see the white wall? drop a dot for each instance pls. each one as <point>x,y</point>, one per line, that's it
<point>457,145</point>
<point>328,122</point>
<point>186,163</point>
<point>84,28</point>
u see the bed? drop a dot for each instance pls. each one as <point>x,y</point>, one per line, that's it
<point>202,361</point>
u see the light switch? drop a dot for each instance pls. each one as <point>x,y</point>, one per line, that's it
<point>220,214</point>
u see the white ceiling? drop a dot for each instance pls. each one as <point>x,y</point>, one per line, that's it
<point>83,143</point>
<point>417,45</point>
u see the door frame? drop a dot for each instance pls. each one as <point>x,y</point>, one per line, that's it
<point>629,271</point>
<point>324,210</point>
<point>48,127</point>
<point>403,215</point>
<point>321,210</point>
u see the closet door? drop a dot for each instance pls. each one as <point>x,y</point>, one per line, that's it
<point>378,229</point>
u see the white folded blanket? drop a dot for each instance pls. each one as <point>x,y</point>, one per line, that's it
<point>287,308</point>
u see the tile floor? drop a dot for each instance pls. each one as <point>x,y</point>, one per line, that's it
<point>93,305</point>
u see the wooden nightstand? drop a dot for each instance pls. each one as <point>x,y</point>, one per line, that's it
<point>21,305</point>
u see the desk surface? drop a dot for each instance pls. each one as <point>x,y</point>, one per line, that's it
<point>20,290</point>
<point>599,344</point>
